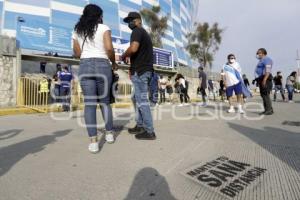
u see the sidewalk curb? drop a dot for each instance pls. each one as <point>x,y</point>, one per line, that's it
<point>23,110</point>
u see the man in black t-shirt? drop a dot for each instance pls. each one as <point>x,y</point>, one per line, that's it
<point>141,71</point>
<point>278,85</point>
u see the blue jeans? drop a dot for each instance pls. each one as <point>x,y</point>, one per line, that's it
<point>95,75</point>
<point>281,89</point>
<point>65,95</point>
<point>57,92</point>
<point>290,90</point>
<point>141,100</point>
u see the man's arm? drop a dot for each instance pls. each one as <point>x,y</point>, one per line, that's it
<point>267,74</point>
<point>132,49</point>
<point>200,82</point>
<point>135,40</point>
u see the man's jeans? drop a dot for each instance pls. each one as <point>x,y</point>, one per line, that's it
<point>290,90</point>
<point>95,77</point>
<point>281,89</point>
<point>162,93</point>
<point>141,100</point>
<point>66,98</point>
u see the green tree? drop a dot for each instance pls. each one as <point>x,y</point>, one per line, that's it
<point>204,42</point>
<point>158,25</point>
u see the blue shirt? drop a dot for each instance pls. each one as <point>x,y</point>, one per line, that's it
<point>261,68</point>
<point>65,78</point>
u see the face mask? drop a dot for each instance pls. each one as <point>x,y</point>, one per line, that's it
<point>257,57</point>
<point>232,60</point>
<point>131,25</point>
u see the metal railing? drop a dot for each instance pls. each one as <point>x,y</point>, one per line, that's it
<point>38,94</point>
<point>33,93</point>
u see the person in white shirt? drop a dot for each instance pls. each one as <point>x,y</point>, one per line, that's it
<point>162,83</point>
<point>169,88</point>
<point>93,44</point>
<point>232,80</point>
<point>182,89</point>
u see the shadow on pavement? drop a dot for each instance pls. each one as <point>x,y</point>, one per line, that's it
<point>291,123</point>
<point>276,141</point>
<point>149,184</point>
<point>12,154</point>
<point>9,133</point>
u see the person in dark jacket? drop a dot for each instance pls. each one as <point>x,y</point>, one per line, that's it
<point>65,78</point>
<point>278,86</point>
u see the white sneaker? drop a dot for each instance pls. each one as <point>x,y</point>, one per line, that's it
<point>231,110</point>
<point>94,147</point>
<point>186,104</point>
<point>109,137</point>
<point>204,104</point>
<point>290,101</point>
<point>180,105</point>
<point>241,111</point>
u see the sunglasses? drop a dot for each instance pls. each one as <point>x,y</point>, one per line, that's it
<point>231,58</point>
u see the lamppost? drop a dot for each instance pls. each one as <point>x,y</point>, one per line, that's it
<point>298,71</point>
<point>18,20</point>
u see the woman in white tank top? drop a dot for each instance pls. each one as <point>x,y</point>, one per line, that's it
<point>93,44</point>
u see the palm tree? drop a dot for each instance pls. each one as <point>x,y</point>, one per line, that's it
<point>158,25</point>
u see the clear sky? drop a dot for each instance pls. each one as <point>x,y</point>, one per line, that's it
<point>251,24</point>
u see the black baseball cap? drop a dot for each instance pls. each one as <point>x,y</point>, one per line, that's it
<point>131,16</point>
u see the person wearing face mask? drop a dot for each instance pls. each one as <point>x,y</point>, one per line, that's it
<point>141,69</point>
<point>263,72</point>
<point>233,83</point>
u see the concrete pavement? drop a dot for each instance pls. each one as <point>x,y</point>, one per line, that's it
<point>200,153</point>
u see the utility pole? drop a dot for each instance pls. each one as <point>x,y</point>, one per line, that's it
<point>298,69</point>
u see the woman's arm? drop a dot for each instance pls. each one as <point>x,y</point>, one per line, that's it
<point>109,49</point>
<point>76,48</point>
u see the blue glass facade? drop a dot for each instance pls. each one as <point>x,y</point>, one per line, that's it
<point>66,13</point>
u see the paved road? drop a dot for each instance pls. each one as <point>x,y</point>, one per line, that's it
<point>200,153</point>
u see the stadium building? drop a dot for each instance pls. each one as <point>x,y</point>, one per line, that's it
<point>66,13</point>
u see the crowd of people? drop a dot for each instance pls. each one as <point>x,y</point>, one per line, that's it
<point>92,43</point>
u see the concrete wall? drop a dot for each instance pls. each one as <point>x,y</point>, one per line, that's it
<point>9,72</point>
<point>8,81</point>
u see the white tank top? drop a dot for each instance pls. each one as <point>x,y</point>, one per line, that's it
<point>93,48</point>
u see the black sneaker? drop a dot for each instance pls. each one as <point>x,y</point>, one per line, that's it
<point>145,136</point>
<point>269,112</point>
<point>136,130</point>
<point>262,113</point>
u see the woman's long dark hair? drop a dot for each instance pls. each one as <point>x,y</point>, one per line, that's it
<point>294,73</point>
<point>89,20</point>
<point>179,76</point>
